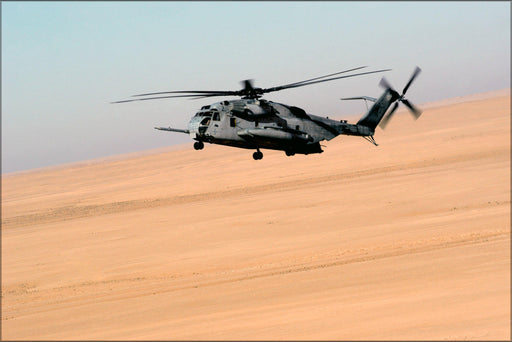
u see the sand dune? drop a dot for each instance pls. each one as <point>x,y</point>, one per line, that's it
<point>407,240</point>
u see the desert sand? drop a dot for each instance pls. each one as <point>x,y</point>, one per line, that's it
<point>407,240</point>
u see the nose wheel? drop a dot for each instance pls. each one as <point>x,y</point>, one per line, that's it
<point>198,145</point>
<point>257,155</point>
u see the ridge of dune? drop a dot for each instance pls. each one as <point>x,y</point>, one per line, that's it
<point>468,98</point>
<point>409,240</point>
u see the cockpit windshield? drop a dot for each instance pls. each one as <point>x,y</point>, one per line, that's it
<point>208,113</point>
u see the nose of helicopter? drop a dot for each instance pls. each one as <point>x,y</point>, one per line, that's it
<point>193,126</point>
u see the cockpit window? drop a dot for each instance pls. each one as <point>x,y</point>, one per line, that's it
<point>216,116</point>
<point>208,114</point>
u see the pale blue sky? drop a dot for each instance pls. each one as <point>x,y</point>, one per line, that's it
<point>64,62</point>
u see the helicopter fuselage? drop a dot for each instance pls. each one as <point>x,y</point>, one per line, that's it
<point>258,123</point>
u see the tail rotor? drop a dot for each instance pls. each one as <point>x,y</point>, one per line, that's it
<point>400,98</point>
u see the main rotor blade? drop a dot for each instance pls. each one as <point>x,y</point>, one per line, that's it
<point>296,85</point>
<point>386,119</point>
<point>415,73</point>
<point>166,97</point>
<point>248,91</point>
<point>221,92</point>
<point>197,96</point>
<point>247,85</point>
<point>415,111</point>
<point>317,78</point>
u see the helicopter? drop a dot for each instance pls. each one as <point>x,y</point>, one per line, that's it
<point>252,122</point>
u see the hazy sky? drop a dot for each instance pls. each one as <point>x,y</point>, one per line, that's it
<point>64,62</point>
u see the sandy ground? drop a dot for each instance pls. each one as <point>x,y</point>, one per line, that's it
<point>408,240</point>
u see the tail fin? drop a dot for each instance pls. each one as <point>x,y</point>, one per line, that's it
<point>375,114</point>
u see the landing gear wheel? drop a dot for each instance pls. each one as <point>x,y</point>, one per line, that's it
<point>289,153</point>
<point>257,155</point>
<point>198,145</point>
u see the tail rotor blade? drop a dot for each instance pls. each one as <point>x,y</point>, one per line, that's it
<point>414,75</point>
<point>386,119</point>
<point>415,111</point>
<point>385,84</point>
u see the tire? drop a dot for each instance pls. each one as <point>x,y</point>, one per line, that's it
<point>257,155</point>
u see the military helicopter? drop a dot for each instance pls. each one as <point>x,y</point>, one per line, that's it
<point>254,123</point>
